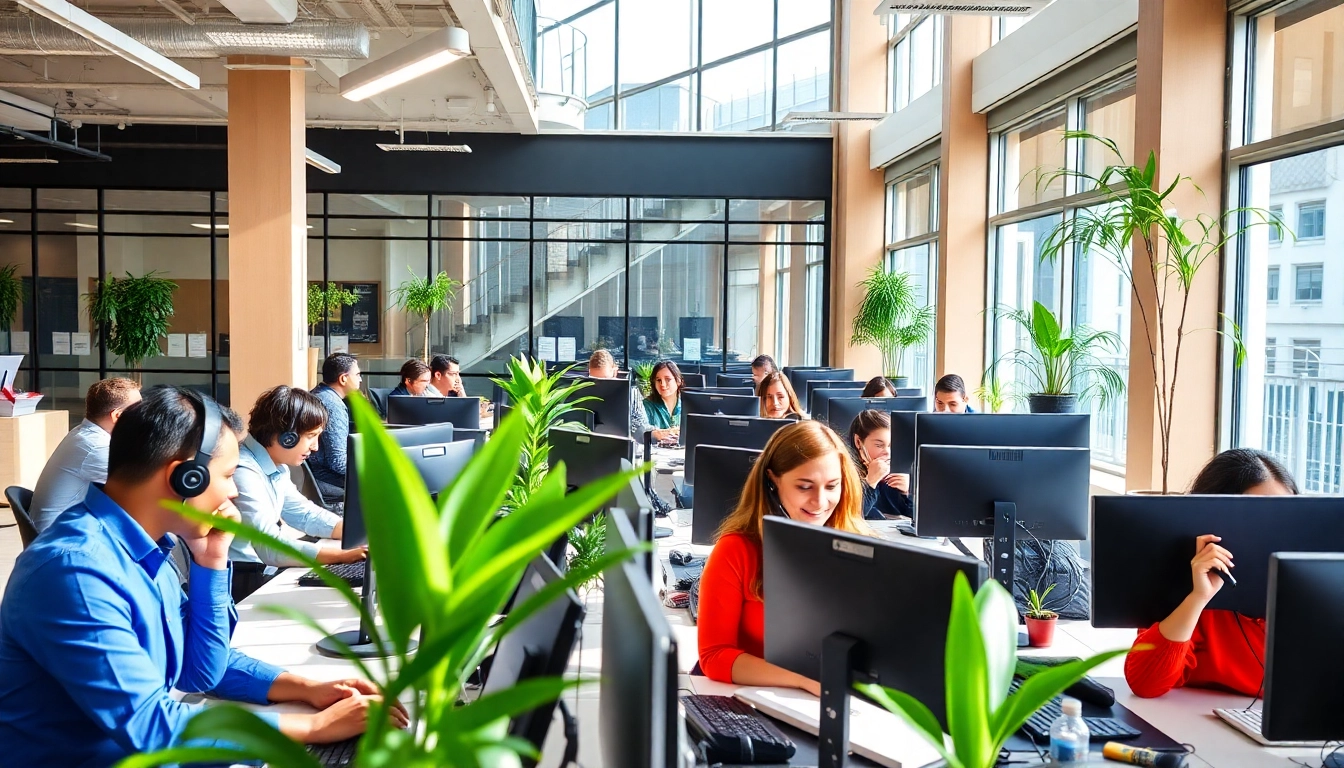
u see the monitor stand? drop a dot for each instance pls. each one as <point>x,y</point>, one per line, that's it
<point>359,641</point>
<point>1003,549</point>
<point>839,653</point>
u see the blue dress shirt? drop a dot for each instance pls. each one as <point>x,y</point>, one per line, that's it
<point>328,462</point>
<point>266,496</point>
<point>95,632</point>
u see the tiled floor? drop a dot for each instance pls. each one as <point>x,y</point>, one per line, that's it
<point>9,545</point>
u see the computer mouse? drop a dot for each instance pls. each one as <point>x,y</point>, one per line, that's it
<point>680,557</point>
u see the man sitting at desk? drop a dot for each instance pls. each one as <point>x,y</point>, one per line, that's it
<point>414,380</point>
<point>283,428</point>
<point>95,630</point>
<point>340,377</point>
<point>81,458</point>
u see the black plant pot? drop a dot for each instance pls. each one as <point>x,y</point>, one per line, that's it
<point>1053,403</point>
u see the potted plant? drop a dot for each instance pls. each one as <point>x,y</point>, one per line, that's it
<point>1135,227</point>
<point>323,300</point>
<point>644,377</point>
<point>423,296</point>
<point>588,543</point>
<point>890,318</point>
<point>991,393</point>
<point>542,400</point>
<point>1040,620</point>
<point>11,296</point>
<point>980,661</point>
<point>130,314</point>
<point>448,568</point>
<point>1061,369</point>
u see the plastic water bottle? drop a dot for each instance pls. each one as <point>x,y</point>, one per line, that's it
<point>1068,734</point>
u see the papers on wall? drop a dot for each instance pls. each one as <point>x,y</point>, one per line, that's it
<point>60,343</point>
<point>567,349</point>
<point>546,348</point>
<point>196,345</point>
<point>18,342</point>
<point>79,344</point>
<point>177,345</point>
<point>690,350</point>
<point>340,344</point>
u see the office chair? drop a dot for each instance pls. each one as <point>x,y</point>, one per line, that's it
<point>378,396</point>
<point>304,480</point>
<point>19,498</point>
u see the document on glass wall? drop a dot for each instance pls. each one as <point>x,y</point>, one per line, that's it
<point>196,345</point>
<point>546,348</point>
<point>177,345</point>
<point>340,344</point>
<point>18,342</point>
<point>79,344</point>
<point>690,350</point>
<point>567,348</point>
<point>60,343</point>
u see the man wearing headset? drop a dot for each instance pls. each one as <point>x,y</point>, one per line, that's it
<point>283,428</point>
<point>96,630</point>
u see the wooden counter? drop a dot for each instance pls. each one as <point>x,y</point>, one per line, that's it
<point>25,444</point>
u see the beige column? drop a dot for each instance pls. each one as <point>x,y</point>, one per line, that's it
<point>858,193</point>
<point>1182,50</point>
<point>267,229</point>
<point>963,206</point>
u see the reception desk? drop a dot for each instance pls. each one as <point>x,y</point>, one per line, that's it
<point>25,444</point>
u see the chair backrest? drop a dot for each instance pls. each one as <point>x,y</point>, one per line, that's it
<point>379,395</point>
<point>19,498</point>
<point>304,480</point>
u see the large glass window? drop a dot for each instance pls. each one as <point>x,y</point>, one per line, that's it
<point>690,65</point>
<point>912,232</point>
<point>1296,69</point>
<point>915,58</point>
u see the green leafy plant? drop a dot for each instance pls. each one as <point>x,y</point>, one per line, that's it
<point>325,299</point>
<point>603,342</point>
<point>992,393</point>
<point>423,296</point>
<point>890,317</point>
<point>1159,253</point>
<point>1057,363</point>
<point>589,544</point>
<point>981,658</point>
<point>447,569</point>
<point>1036,604</point>
<point>542,401</point>
<point>11,295</point>
<point>644,378</point>
<point>130,314</point>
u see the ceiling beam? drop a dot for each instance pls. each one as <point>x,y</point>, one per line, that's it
<point>503,70</point>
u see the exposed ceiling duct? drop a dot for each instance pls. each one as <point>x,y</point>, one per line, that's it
<point>206,39</point>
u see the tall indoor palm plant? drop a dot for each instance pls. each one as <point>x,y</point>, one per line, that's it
<point>1062,368</point>
<point>11,295</point>
<point>891,318</point>
<point>130,314</point>
<point>543,401</point>
<point>423,296</point>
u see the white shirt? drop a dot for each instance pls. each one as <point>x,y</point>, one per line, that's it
<point>80,459</point>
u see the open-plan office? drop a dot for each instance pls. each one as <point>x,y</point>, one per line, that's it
<point>655,384</point>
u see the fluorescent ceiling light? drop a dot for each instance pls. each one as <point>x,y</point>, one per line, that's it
<point>114,40</point>
<point>80,225</point>
<point>6,221</point>
<point>962,7</point>
<point>433,51</point>
<point>25,160</point>
<point>833,117</point>
<point>425,148</point>
<point>207,226</point>
<point>321,163</point>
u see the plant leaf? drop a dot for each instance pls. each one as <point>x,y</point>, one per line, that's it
<point>914,712</point>
<point>523,696</point>
<point>469,504</point>
<point>967,680</point>
<point>1041,687</point>
<point>998,626</point>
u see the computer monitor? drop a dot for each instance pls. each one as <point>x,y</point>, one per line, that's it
<point>692,380</point>
<point>842,411</point>
<point>589,456</point>
<point>639,720</point>
<point>743,391</point>
<point>1046,430</point>
<point>735,380</point>
<point>610,412</point>
<point>476,436</point>
<point>829,590</point>
<point>1304,670</point>
<point>421,435</point>
<point>1128,592</point>
<point>798,377</point>
<point>812,385</point>
<point>723,475</point>
<point>902,443</point>
<point>538,647</point>
<point>818,402</point>
<point>724,405</point>
<point>1002,494</point>
<point>460,411</point>
<point>729,431</point>
<point>439,464</point>
<point>632,502</point>
<point>909,391</point>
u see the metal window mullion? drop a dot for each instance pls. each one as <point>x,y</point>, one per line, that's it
<point>35,343</point>
<point>723,330</point>
<point>214,302</point>
<point>102,270</point>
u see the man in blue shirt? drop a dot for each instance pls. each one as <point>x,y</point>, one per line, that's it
<point>95,630</point>
<point>340,377</point>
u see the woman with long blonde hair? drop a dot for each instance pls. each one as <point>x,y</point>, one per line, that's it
<point>778,400</point>
<point>806,474</point>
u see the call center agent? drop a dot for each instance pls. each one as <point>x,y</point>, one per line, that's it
<point>96,630</point>
<point>805,473</point>
<point>601,365</point>
<point>879,386</point>
<point>662,408</point>
<point>777,398</point>
<point>415,377</point>
<point>1207,647</point>
<point>884,493</point>
<point>949,395</point>
<point>445,377</point>
<point>761,367</point>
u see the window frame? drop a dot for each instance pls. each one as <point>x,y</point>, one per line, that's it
<point>1272,284</point>
<point>933,171</point>
<point>1314,206</point>
<point>1317,269</point>
<point>903,36</point>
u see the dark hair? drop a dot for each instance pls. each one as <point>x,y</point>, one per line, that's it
<point>865,424</point>
<point>877,385</point>
<point>676,375</point>
<point>764,361</point>
<point>285,409</point>
<point>412,369</point>
<point>440,363</point>
<point>106,396</point>
<point>1235,471</point>
<point>336,366</point>
<point>165,426</point>
<point>951,383</point>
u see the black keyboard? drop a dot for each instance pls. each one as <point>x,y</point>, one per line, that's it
<point>339,754</point>
<point>1037,727</point>
<point>353,573</point>
<point>729,731</point>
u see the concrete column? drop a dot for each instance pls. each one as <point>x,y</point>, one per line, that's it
<point>268,264</point>
<point>1182,51</point>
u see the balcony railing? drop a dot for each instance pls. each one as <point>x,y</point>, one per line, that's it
<point>1304,428</point>
<point>562,59</point>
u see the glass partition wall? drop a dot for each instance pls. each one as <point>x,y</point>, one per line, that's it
<point>693,280</point>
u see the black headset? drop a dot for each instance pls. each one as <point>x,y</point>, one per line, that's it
<point>289,438</point>
<point>190,478</point>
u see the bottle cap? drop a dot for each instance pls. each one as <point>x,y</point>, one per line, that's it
<point>1071,707</point>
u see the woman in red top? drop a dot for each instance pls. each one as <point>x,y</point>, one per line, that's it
<point>1211,648</point>
<point>806,474</point>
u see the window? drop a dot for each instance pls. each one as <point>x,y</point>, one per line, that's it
<point>1293,58</point>
<point>1307,357</point>
<point>815,305</point>
<point>915,58</point>
<point>1311,220</point>
<point>1275,233</point>
<point>783,262</point>
<point>1272,285</point>
<point>912,233</point>
<point>1309,282</point>
<point>1029,154</point>
<point>1271,354</point>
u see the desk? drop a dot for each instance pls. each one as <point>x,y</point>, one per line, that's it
<point>26,442</point>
